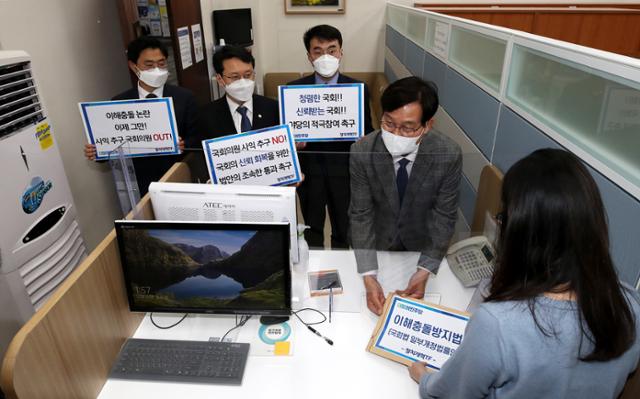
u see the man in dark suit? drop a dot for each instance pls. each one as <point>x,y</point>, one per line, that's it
<point>239,110</point>
<point>147,58</point>
<point>404,188</point>
<point>325,165</point>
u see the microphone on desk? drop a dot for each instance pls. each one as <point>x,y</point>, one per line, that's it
<point>313,330</point>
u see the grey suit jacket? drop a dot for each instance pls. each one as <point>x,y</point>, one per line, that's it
<point>426,221</point>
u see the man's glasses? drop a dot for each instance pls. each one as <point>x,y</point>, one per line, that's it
<point>236,76</point>
<point>405,130</point>
<point>153,64</point>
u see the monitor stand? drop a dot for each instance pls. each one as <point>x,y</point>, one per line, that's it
<point>269,320</point>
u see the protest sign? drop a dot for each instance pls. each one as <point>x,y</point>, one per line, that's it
<point>412,330</point>
<point>143,127</point>
<point>323,112</point>
<point>261,157</point>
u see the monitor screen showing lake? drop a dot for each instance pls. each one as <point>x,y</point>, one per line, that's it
<point>222,287</point>
<point>206,269</point>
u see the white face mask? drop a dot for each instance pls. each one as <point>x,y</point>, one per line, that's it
<point>241,89</point>
<point>399,145</point>
<point>326,65</point>
<point>155,77</point>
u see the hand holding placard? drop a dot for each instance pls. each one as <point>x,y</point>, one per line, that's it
<point>412,330</point>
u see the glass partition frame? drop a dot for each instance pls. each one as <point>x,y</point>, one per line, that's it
<point>620,69</point>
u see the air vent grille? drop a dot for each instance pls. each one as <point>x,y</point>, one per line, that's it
<point>44,273</point>
<point>19,102</point>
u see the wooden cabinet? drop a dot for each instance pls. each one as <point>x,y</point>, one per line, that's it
<point>609,27</point>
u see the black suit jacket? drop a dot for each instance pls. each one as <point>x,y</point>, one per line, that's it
<point>152,168</point>
<point>216,120</point>
<point>312,159</point>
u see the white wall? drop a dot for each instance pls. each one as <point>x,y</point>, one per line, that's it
<point>278,37</point>
<point>77,55</point>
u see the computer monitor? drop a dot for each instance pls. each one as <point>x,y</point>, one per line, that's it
<point>195,267</point>
<point>227,203</point>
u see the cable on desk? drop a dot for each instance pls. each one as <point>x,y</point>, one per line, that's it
<point>308,325</point>
<point>324,318</point>
<point>243,321</point>
<point>167,327</point>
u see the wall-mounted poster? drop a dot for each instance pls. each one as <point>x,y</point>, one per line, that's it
<point>314,6</point>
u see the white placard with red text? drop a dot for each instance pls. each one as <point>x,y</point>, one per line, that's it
<point>264,157</point>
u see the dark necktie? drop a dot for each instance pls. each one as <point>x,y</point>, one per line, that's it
<point>245,123</point>
<point>151,95</point>
<point>402,178</point>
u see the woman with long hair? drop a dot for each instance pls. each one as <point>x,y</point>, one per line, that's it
<point>557,322</point>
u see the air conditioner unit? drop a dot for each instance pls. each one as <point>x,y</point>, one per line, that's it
<point>40,240</point>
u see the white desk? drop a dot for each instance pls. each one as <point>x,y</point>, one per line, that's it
<point>316,369</point>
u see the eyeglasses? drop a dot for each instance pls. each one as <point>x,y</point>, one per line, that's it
<point>237,76</point>
<point>162,64</point>
<point>405,130</point>
<point>334,51</point>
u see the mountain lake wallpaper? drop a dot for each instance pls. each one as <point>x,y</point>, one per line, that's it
<point>205,269</point>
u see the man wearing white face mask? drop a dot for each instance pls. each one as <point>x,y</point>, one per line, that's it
<point>326,165</point>
<point>147,59</point>
<point>239,110</point>
<point>404,188</point>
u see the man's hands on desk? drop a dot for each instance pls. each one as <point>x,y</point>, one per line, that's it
<point>375,295</point>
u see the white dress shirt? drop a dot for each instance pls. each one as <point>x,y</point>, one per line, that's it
<point>237,117</point>
<point>142,93</point>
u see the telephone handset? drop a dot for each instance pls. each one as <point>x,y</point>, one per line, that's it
<point>471,260</point>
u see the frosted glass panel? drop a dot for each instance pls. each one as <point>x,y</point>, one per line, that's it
<point>479,55</point>
<point>397,19</point>
<point>431,33</point>
<point>594,110</point>
<point>416,28</point>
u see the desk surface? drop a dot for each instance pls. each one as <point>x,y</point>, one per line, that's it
<point>315,369</point>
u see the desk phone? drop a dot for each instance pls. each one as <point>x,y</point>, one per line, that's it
<point>471,260</point>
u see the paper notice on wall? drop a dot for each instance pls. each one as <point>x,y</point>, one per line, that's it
<point>156,27</point>
<point>198,48</point>
<point>620,112</point>
<point>164,18</point>
<point>441,40</point>
<point>184,42</point>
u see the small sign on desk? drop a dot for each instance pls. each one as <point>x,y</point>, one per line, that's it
<point>412,330</point>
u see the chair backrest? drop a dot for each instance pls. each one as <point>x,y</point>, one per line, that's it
<point>67,348</point>
<point>488,199</point>
<point>272,80</point>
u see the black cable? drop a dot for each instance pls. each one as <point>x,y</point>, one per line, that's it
<point>242,323</point>
<point>324,318</point>
<point>308,325</point>
<point>167,327</point>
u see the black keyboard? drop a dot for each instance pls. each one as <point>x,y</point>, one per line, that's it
<point>181,361</point>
